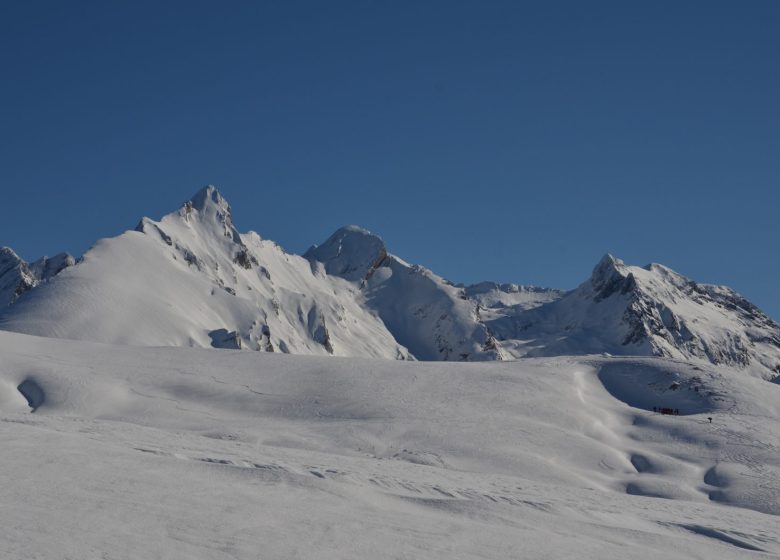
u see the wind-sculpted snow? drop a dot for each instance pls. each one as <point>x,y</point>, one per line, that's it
<point>196,453</point>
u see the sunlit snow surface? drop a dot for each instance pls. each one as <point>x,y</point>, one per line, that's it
<point>191,453</point>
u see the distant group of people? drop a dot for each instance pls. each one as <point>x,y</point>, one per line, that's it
<point>665,410</point>
<point>673,411</point>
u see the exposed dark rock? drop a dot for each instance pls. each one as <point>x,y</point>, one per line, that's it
<point>244,259</point>
<point>33,392</point>
<point>318,330</point>
<point>223,338</point>
<point>16,278</point>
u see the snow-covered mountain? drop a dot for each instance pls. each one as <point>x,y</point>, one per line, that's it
<point>646,311</point>
<point>191,279</point>
<point>430,316</point>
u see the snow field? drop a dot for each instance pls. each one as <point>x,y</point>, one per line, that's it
<point>190,453</point>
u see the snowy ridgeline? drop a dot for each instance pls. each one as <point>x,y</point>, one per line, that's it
<point>197,453</point>
<point>191,279</point>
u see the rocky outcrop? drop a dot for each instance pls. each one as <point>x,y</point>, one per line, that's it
<point>223,338</point>
<point>46,268</point>
<point>18,277</point>
<point>15,277</point>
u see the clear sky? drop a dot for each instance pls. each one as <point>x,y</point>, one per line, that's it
<point>512,141</point>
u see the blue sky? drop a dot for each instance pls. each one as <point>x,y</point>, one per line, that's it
<point>514,141</point>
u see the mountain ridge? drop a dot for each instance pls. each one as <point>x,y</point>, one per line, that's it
<point>192,279</point>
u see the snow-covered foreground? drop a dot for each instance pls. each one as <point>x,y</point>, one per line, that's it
<point>189,453</point>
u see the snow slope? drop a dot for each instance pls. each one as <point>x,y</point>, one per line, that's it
<point>193,453</point>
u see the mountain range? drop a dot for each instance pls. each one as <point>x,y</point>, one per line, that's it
<point>192,279</point>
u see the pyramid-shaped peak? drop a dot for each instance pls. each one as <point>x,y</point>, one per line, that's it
<point>609,261</point>
<point>211,210</point>
<point>207,197</point>
<point>607,274</point>
<point>608,265</point>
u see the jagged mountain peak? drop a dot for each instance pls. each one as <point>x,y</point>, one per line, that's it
<point>607,267</point>
<point>209,210</point>
<point>611,275</point>
<point>610,261</point>
<point>351,252</point>
<point>209,197</point>
<point>650,310</point>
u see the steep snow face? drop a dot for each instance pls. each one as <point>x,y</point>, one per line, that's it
<point>654,311</point>
<point>192,280</point>
<point>352,253</point>
<point>18,277</point>
<point>427,314</point>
